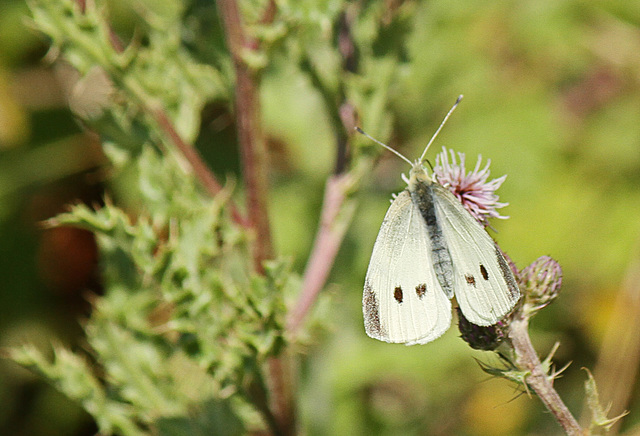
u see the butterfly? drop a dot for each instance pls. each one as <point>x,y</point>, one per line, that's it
<point>430,249</point>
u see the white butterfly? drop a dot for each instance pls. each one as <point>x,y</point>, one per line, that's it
<point>429,249</point>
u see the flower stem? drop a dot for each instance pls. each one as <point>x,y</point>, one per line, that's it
<point>538,380</point>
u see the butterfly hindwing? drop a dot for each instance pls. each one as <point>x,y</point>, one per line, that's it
<point>484,285</point>
<point>403,301</point>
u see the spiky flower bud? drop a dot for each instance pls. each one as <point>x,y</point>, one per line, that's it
<point>540,283</point>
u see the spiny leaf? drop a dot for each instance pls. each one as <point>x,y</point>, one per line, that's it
<point>599,420</point>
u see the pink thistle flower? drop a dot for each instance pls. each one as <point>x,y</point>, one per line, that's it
<point>472,189</point>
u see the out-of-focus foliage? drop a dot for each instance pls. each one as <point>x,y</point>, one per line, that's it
<point>551,91</point>
<point>181,326</point>
<point>184,328</point>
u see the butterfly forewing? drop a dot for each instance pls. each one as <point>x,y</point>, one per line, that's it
<point>484,285</point>
<point>403,301</point>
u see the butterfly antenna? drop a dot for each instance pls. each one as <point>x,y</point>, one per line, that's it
<point>384,145</point>
<point>441,125</point>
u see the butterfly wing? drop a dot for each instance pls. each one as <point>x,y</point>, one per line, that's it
<point>484,284</point>
<point>403,301</point>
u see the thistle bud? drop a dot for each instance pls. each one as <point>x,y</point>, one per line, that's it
<point>540,283</point>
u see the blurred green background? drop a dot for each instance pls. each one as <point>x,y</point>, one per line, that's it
<point>552,97</point>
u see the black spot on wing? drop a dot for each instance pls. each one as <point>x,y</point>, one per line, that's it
<point>484,272</point>
<point>470,279</point>
<point>372,313</point>
<point>397,294</point>
<point>421,289</point>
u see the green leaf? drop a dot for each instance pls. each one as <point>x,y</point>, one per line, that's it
<point>599,420</point>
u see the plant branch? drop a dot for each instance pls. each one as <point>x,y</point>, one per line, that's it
<point>537,379</point>
<point>200,169</point>
<point>336,215</point>
<point>325,248</point>
<point>254,159</point>
<point>252,144</point>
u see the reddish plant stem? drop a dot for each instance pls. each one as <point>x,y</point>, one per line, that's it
<point>200,169</point>
<point>280,385</point>
<point>325,248</point>
<point>538,380</point>
<point>331,230</point>
<point>254,159</point>
<point>252,144</point>
<point>255,174</point>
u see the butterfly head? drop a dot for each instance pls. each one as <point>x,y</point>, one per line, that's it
<point>418,174</point>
